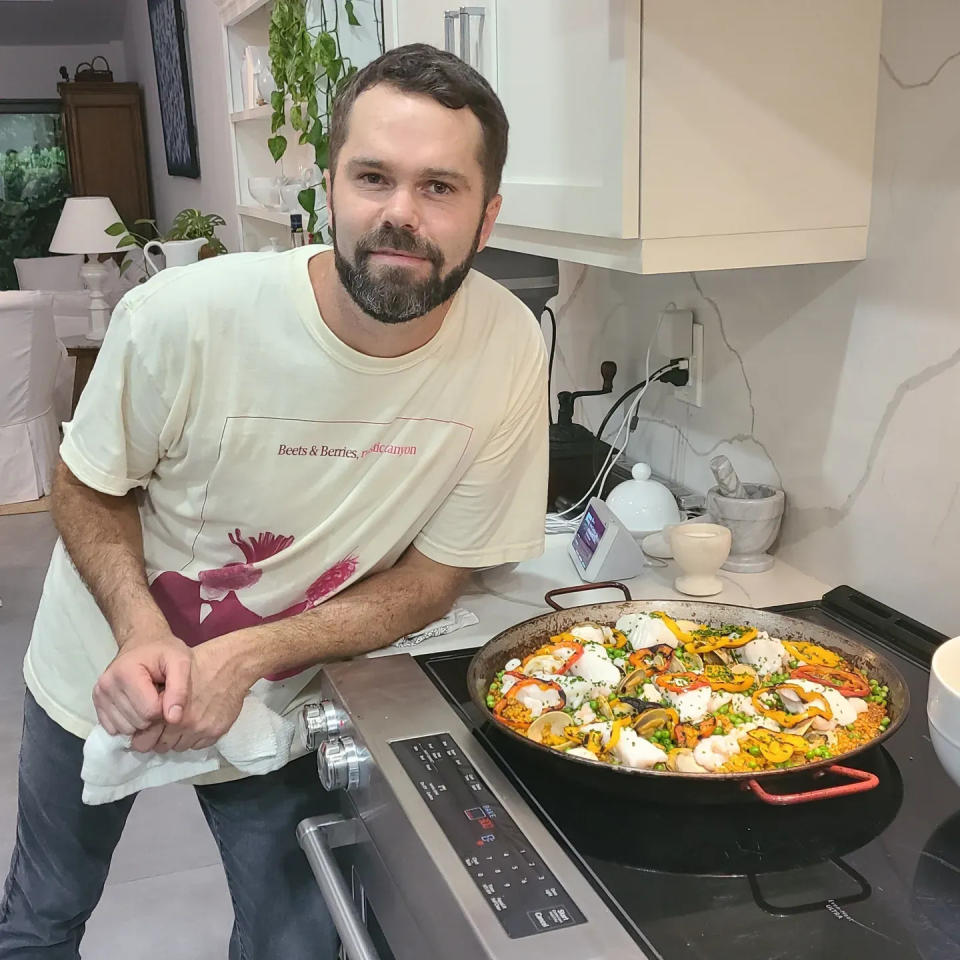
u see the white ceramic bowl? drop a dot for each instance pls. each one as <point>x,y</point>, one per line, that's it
<point>289,193</point>
<point>943,706</point>
<point>265,190</point>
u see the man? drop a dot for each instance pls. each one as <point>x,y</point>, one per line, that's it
<point>280,460</point>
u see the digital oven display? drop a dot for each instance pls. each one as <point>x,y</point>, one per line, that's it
<point>588,536</point>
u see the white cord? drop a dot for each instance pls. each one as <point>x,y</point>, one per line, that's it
<point>557,522</point>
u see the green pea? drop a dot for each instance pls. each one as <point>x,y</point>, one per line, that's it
<point>755,751</point>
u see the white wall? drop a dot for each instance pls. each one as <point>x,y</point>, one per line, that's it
<point>30,71</point>
<point>214,191</point>
<point>839,381</point>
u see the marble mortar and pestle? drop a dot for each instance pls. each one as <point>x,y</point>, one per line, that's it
<point>751,511</point>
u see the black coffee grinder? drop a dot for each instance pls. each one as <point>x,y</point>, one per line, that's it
<point>573,446</point>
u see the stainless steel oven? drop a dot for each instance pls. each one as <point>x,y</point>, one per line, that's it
<point>434,853</point>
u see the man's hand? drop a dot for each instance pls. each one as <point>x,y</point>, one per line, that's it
<point>148,682</point>
<point>217,689</point>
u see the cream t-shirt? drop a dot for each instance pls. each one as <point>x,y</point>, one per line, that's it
<point>275,465</point>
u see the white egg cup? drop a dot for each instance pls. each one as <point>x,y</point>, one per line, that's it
<point>700,550</point>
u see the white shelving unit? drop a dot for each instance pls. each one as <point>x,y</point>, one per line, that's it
<point>255,212</point>
<point>247,23</point>
<point>253,113</point>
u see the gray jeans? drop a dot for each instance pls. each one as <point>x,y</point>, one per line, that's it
<point>63,853</point>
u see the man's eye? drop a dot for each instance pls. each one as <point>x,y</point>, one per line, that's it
<point>440,188</point>
<point>372,178</point>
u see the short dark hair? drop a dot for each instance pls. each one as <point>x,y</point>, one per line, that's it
<point>420,68</point>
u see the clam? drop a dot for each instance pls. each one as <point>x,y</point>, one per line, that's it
<point>553,723</point>
<point>720,656</point>
<point>542,663</point>
<point>681,760</point>
<point>691,662</point>
<point>632,681</point>
<point>650,721</point>
<point>742,668</point>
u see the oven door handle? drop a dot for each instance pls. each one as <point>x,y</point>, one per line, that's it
<point>318,836</point>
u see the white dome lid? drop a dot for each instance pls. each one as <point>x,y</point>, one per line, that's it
<point>643,505</point>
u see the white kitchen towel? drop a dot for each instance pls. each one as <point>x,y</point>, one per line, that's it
<point>458,617</point>
<point>258,742</point>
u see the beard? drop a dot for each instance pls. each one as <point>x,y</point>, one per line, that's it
<point>392,294</point>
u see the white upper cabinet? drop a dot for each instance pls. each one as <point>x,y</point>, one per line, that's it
<point>670,135</point>
<point>569,78</point>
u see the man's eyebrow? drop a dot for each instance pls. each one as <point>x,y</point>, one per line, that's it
<point>430,173</point>
<point>441,173</point>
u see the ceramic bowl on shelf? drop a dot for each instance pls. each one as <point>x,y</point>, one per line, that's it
<point>943,706</point>
<point>289,193</point>
<point>265,190</point>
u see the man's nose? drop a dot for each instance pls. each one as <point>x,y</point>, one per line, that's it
<point>402,210</point>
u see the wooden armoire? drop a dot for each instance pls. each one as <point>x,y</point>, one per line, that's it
<point>103,125</point>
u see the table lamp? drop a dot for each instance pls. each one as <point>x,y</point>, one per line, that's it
<point>82,229</point>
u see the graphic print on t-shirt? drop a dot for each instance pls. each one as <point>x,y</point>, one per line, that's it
<point>271,544</point>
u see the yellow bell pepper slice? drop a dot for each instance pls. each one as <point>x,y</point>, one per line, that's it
<point>811,653</point>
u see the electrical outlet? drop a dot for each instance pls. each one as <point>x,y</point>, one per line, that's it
<point>674,337</point>
<point>692,393</point>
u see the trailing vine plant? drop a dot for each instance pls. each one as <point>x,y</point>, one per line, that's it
<point>309,69</point>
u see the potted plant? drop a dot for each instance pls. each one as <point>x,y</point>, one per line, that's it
<point>188,224</point>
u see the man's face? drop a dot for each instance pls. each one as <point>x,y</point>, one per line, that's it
<point>407,203</point>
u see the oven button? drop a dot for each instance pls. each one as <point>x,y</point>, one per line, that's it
<point>339,764</point>
<point>321,721</point>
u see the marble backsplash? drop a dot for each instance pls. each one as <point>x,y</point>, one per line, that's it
<point>838,382</point>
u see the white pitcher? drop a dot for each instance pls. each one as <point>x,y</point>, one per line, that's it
<point>176,253</point>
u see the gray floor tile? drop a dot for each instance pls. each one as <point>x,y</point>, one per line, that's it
<point>165,833</point>
<point>185,915</point>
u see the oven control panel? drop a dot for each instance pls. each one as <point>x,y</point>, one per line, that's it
<point>525,896</point>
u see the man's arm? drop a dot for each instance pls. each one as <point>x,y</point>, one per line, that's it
<point>371,614</point>
<point>366,616</point>
<point>104,539</point>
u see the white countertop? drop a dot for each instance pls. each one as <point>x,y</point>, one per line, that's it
<point>504,596</point>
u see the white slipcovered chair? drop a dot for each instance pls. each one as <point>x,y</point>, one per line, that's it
<point>57,273</point>
<point>30,356</point>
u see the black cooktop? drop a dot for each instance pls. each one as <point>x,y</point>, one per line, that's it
<point>875,875</point>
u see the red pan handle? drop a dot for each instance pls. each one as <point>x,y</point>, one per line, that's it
<point>863,781</point>
<point>605,585</point>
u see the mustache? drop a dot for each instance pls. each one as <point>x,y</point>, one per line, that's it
<point>394,238</point>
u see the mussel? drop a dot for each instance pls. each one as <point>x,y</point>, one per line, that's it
<point>640,705</point>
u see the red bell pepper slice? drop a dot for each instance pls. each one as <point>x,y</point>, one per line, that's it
<point>845,682</point>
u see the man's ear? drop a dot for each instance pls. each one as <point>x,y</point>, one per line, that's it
<point>489,219</point>
<point>328,187</point>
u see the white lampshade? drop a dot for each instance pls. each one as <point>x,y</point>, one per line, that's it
<point>83,224</point>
